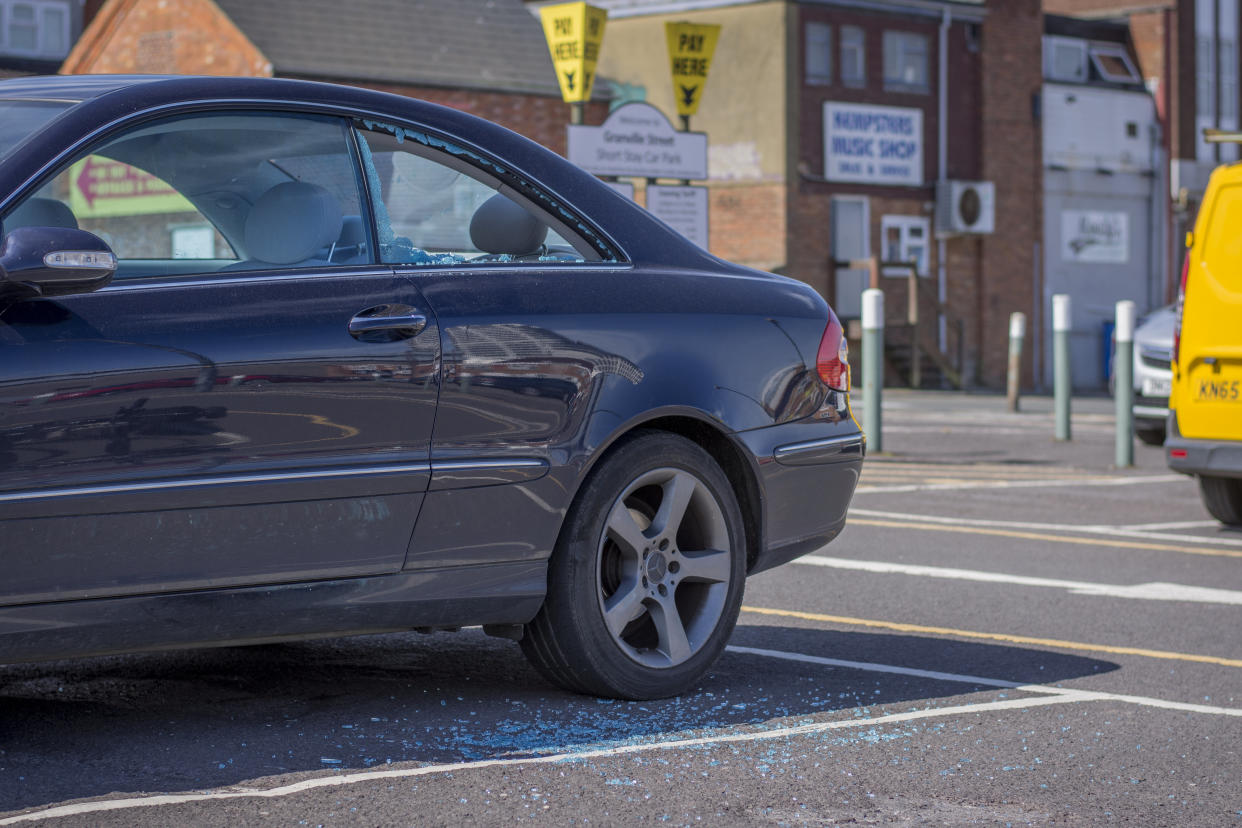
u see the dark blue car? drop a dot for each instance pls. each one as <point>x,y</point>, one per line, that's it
<point>282,360</point>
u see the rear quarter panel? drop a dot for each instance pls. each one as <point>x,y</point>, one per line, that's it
<point>556,363</point>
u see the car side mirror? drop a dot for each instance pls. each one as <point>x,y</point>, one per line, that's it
<point>53,261</point>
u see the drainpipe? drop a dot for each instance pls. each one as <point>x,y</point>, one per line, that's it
<point>942,147</point>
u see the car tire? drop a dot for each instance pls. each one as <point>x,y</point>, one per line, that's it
<point>1150,436</point>
<point>1222,496</point>
<point>646,580</point>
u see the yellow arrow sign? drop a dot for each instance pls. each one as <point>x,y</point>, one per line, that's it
<point>690,49</point>
<point>574,32</point>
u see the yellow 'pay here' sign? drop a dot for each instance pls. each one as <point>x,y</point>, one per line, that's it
<point>690,49</point>
<point>574,32</point>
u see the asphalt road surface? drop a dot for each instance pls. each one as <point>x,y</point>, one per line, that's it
<point>1009,632</point>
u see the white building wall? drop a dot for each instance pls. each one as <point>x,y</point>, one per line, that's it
<point>1100,214</point>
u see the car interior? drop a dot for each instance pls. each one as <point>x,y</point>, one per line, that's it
<point>282,191</point>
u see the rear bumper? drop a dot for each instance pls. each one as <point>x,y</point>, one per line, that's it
<point>1150,412</point>
<point>1212,458</point>
<point>808,472</point>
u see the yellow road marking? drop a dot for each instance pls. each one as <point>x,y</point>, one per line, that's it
<point>1010,533</point>
<point>1012,639</point>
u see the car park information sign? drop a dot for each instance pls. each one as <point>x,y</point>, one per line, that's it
<point>868,144</point>
<point>638,140</point>
<point>682,208</point>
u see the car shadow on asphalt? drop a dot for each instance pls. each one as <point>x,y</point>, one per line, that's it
<point>209,718</point>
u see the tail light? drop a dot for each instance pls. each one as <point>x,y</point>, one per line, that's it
<point>833,360</point>
<point>1181,304</point>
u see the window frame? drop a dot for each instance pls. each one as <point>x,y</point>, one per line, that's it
<point>38,7</point>
<point>119,130</point>
<point>606,251</point>
<point>860,81</point>
<point>499,182</point>
<point>898,40</point>
<point>823,50</point>
<point>1097,51</point>
<point>904,224</point>
<point>1054,42</point>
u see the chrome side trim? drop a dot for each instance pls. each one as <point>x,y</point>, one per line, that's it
<point>471,465</point>
<point>157,282</point>
<point>473,474</point>
<point>817,450</point>
<point>203,482</point>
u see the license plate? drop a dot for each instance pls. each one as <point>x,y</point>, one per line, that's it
<point>1212,390</point>
<point>1157,386</point>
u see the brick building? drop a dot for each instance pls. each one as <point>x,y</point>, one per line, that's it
<point>486,57</point>
<point>797,90</point>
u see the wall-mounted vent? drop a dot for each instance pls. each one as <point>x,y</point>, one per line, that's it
<point>965,207</point>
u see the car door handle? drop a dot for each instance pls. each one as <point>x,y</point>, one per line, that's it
<point>387,323</point>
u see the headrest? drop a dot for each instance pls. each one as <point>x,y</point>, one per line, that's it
<point>352,232</point>
<point>291,222</point>
<point>500,226</point>
<point>41,212</point>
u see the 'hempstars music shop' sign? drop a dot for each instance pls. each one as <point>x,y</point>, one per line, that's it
<point>869,144</point>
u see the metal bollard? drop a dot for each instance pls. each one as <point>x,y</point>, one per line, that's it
<point>873,366</point>
<point>1123,387</point>
<point>1062,381</point>
<point>1017,332</point>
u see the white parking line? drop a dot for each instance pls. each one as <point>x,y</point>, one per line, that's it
<point>1094,529</point>
<point>1149,591</point>
<point>1074,695</point>
<point>988,427</point>
<point>1021,484</point>
<point>1177,524</point>
<point>1048,696</point>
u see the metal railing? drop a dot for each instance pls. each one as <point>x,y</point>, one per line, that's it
<point>916,293</point>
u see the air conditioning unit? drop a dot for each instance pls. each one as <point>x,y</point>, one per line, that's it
<point>965,207</point>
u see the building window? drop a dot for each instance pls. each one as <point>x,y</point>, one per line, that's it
<point>34,28</point>
<point>1065,59</point>
<point>818,53</point>
<point>905,62</point>
<point>853,56</point>
<point>905,240</point>
<point>1205,93</point>
<point>1228,83</point>
<point>1113,64</point>
<point>1227,55</point>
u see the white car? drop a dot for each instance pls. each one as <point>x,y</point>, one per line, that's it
<point>1153,374</point>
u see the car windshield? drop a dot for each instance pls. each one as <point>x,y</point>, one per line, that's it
<point>21,119</point>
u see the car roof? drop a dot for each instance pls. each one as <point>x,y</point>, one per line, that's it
<point>73,88</point>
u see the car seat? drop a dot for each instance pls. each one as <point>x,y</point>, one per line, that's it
<point>500,227</point>
<point>289,225</point>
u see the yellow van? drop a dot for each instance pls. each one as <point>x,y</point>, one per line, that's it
<point>1205,406</point>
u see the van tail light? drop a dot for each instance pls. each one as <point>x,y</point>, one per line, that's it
<point>1181,304</point>
<point>833,360</point>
